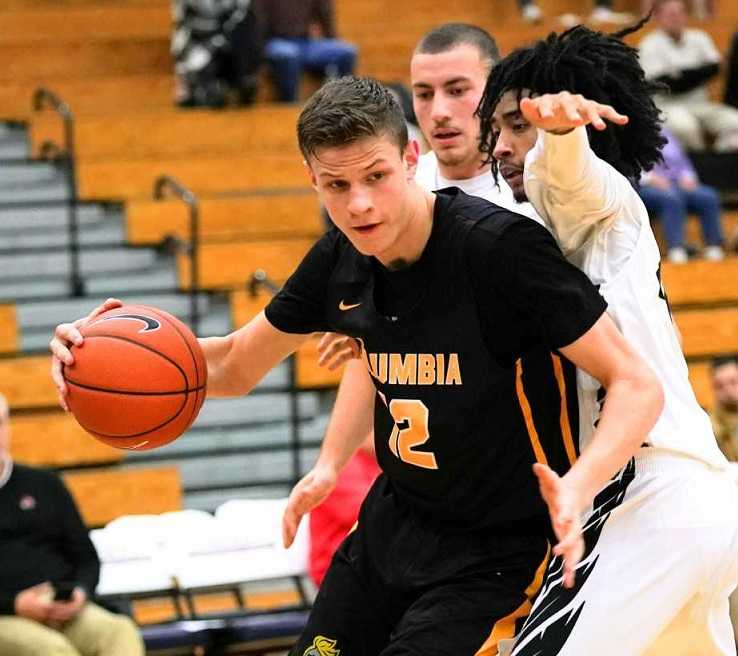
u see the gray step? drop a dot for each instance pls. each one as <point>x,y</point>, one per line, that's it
<point>101,233</point>
<point>235,470</point>
<point>30,174</point>
<point>33,193</point>
<point>13,142</point>
<point>120,284</point>
<point>254,409</point>
<point>54,217</point>
<point>47,314</point>
<point>13,289</point>
<point>91,262</point>
<point>197,440</point>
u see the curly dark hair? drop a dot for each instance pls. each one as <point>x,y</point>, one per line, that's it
<point>600,67</point>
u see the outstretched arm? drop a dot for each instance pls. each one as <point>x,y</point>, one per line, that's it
<point>570,187</point>
<point>351,421</point>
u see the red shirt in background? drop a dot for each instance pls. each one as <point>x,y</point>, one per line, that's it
<point>331,521</point>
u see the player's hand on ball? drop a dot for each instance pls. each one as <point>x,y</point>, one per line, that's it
<point>309,492</point>
<point>565,508</point>
<point>335,349</point>
<point>562,112</point>
<point>65,335</point>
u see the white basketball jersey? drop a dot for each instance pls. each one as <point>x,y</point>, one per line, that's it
<point>603,228</point>
<point>429,177</point>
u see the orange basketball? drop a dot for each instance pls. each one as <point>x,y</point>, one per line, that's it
<point>138,379</point>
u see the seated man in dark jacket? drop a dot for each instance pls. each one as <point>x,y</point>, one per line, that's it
<point>301,35</point>
<point>50,570</point>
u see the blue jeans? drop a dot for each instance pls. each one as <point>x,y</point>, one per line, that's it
<point>673,205</point>
<point>289,57</point>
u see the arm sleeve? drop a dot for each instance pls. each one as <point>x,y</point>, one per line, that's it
<point>544,297</point>
<point>572,189</point>
<point>299,306</point>
<point>76,542</point>
<point>689,78</point>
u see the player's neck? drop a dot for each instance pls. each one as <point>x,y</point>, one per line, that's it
<point>412,240</point>
<point>464,171</point>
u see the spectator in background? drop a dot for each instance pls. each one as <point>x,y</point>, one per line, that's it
<point>217,48</point>
<point>725,413</point>
<point>301,35</point>
<point>685,60</point>
<point>333,519</point>
<point>670,190</point>
<point>601,13</point>
<point>731,84</point>
<point>44,549</point>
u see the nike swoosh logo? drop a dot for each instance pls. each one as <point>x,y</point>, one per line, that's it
<point>342,306</point>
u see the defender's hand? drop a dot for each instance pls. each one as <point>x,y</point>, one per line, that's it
<point>309,492</point>
<point>565,507</point>
<point>335,349</point>
<point>562,112</point>
<point>66,335</point>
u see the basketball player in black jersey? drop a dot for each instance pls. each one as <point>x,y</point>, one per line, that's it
<point>445,292</point>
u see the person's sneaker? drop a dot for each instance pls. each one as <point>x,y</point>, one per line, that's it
<point>677,255</point>
<point>532,13</point>
<point>713,253</point>
<point>605,15</point>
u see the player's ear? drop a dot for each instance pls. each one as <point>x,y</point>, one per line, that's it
<point>311,174</point>
<point>410,157</point>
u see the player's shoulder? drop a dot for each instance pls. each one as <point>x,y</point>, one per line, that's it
<point>37,475</point>
<point>484,216</point>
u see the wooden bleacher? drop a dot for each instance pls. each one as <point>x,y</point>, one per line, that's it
<point>701,282</point>
<point>174,133</point>
<point>111,94</point>
<point>54,439</point>
<point>230,264</point>
<point>131,179</point>
<point>245,306</point>
<point>83,58</point>
<point>26,382</point>
<point>9,339</point>
<point>112,22</point>
<point>105,494</point>
<point>709,332</point>
<point>253,217</point>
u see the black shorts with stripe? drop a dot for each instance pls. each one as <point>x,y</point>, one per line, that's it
<point>397,586</point>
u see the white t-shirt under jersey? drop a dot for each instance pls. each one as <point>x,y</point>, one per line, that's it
<point>483,185</point>
<point>603,228</point>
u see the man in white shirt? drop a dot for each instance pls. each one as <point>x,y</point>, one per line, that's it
<point>661,540</point>
<point>685,60</point>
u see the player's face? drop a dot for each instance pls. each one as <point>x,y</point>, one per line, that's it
<point>514,138</point>
<point>673,17</point>
<point>365,187</point>
<point>447,87</point>
<point>725,384</point>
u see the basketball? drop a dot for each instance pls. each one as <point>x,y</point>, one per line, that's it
<point>138,379</point>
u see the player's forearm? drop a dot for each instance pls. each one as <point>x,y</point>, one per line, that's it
<point>352,418</point>
<point>222,379</point>
<point>561,161</point>
<point>632,407</point>
<point>237,362</point>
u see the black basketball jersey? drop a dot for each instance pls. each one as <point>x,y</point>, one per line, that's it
<point>457,426</point>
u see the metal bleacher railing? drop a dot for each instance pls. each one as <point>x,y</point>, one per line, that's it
<point>163,183</point>
<point>66,156</point>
